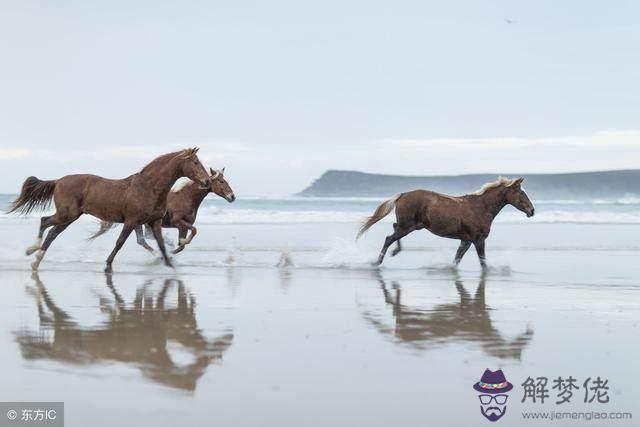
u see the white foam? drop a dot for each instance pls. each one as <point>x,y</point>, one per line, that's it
<point>214,215</point>
<point>345,253</point>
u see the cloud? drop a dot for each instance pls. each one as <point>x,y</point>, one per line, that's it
<point>257,168</point>
<point>619,139</point>
<point>13,153</point>
<point>611,149</point>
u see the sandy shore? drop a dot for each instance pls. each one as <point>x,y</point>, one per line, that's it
<point>227,338</point>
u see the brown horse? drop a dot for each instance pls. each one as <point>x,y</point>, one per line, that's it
<point>467,218</point>
<point>138,199</point>
<point>182,209</point>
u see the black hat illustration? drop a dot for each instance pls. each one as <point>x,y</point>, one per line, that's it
<point>493,383</point>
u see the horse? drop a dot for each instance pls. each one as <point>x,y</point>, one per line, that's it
<point>467,218</point>
<point>138,199</point>
<point>182,209</point>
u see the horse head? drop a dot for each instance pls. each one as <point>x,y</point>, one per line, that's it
<point>517,198</point>
<point>191,167</point>
<point>220,186</point>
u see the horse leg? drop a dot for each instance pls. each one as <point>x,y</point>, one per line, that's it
<point>398,248</point>
<point>479,244</point>
<point>124,234</point>
<point>140,239</point>
<point>156,227</point>
<point>51,235</point>
<point>194,231</point>
<point>398,234</point>
<point>44,224</point>
<point>182,235</point>
<point>462,249</point>
<point>60,221</point>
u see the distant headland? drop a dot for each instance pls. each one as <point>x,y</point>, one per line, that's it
<point>604,185</point>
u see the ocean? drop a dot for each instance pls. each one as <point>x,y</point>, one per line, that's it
<point>285,210</point>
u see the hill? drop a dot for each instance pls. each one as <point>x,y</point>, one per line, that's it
<point>582,185</point>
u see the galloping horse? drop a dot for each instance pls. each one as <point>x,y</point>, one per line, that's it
<point>467,217</point>
<point>182,209</point>
<point>138,199</point>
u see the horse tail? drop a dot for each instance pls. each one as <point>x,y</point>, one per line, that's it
<point>35,194</point>
<point>381,211</point>
<point>104,227</point>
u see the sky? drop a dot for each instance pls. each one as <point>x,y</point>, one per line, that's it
<point>280,91</point>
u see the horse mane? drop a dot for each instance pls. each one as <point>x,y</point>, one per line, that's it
<point>180,185</point>
<point>184,154</point>
<point>500,182</point>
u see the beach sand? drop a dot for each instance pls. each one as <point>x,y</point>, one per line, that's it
<point>230,338</point>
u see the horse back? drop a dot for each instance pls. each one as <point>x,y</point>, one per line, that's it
<point>91,194</point>
<point>443,215</point>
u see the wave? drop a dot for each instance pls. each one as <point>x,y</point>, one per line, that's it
<point>215,216</point>
<point>630,199</point>
<point>212,215</point>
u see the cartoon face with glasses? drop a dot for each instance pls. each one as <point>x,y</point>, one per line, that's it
<point>493,387</point>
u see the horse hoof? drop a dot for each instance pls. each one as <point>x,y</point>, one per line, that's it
<point>178,249</point>
<point>31,249</point>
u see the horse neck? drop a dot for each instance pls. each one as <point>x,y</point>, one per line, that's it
<point>163,175</point>
<point>493,201</point>
<point>195,194</point>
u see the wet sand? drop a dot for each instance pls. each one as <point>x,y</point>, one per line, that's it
<point>227,338</point>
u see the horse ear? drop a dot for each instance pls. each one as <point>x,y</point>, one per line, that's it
<point>189,153</point>
<point>222,171</point>
<point>519,181</point>
<point>211,171</point>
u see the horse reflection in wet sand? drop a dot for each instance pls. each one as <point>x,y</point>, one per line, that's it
<point>467,320</point>
<point>138,334</point>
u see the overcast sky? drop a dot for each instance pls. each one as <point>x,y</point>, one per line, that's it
<point>280,91</point>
